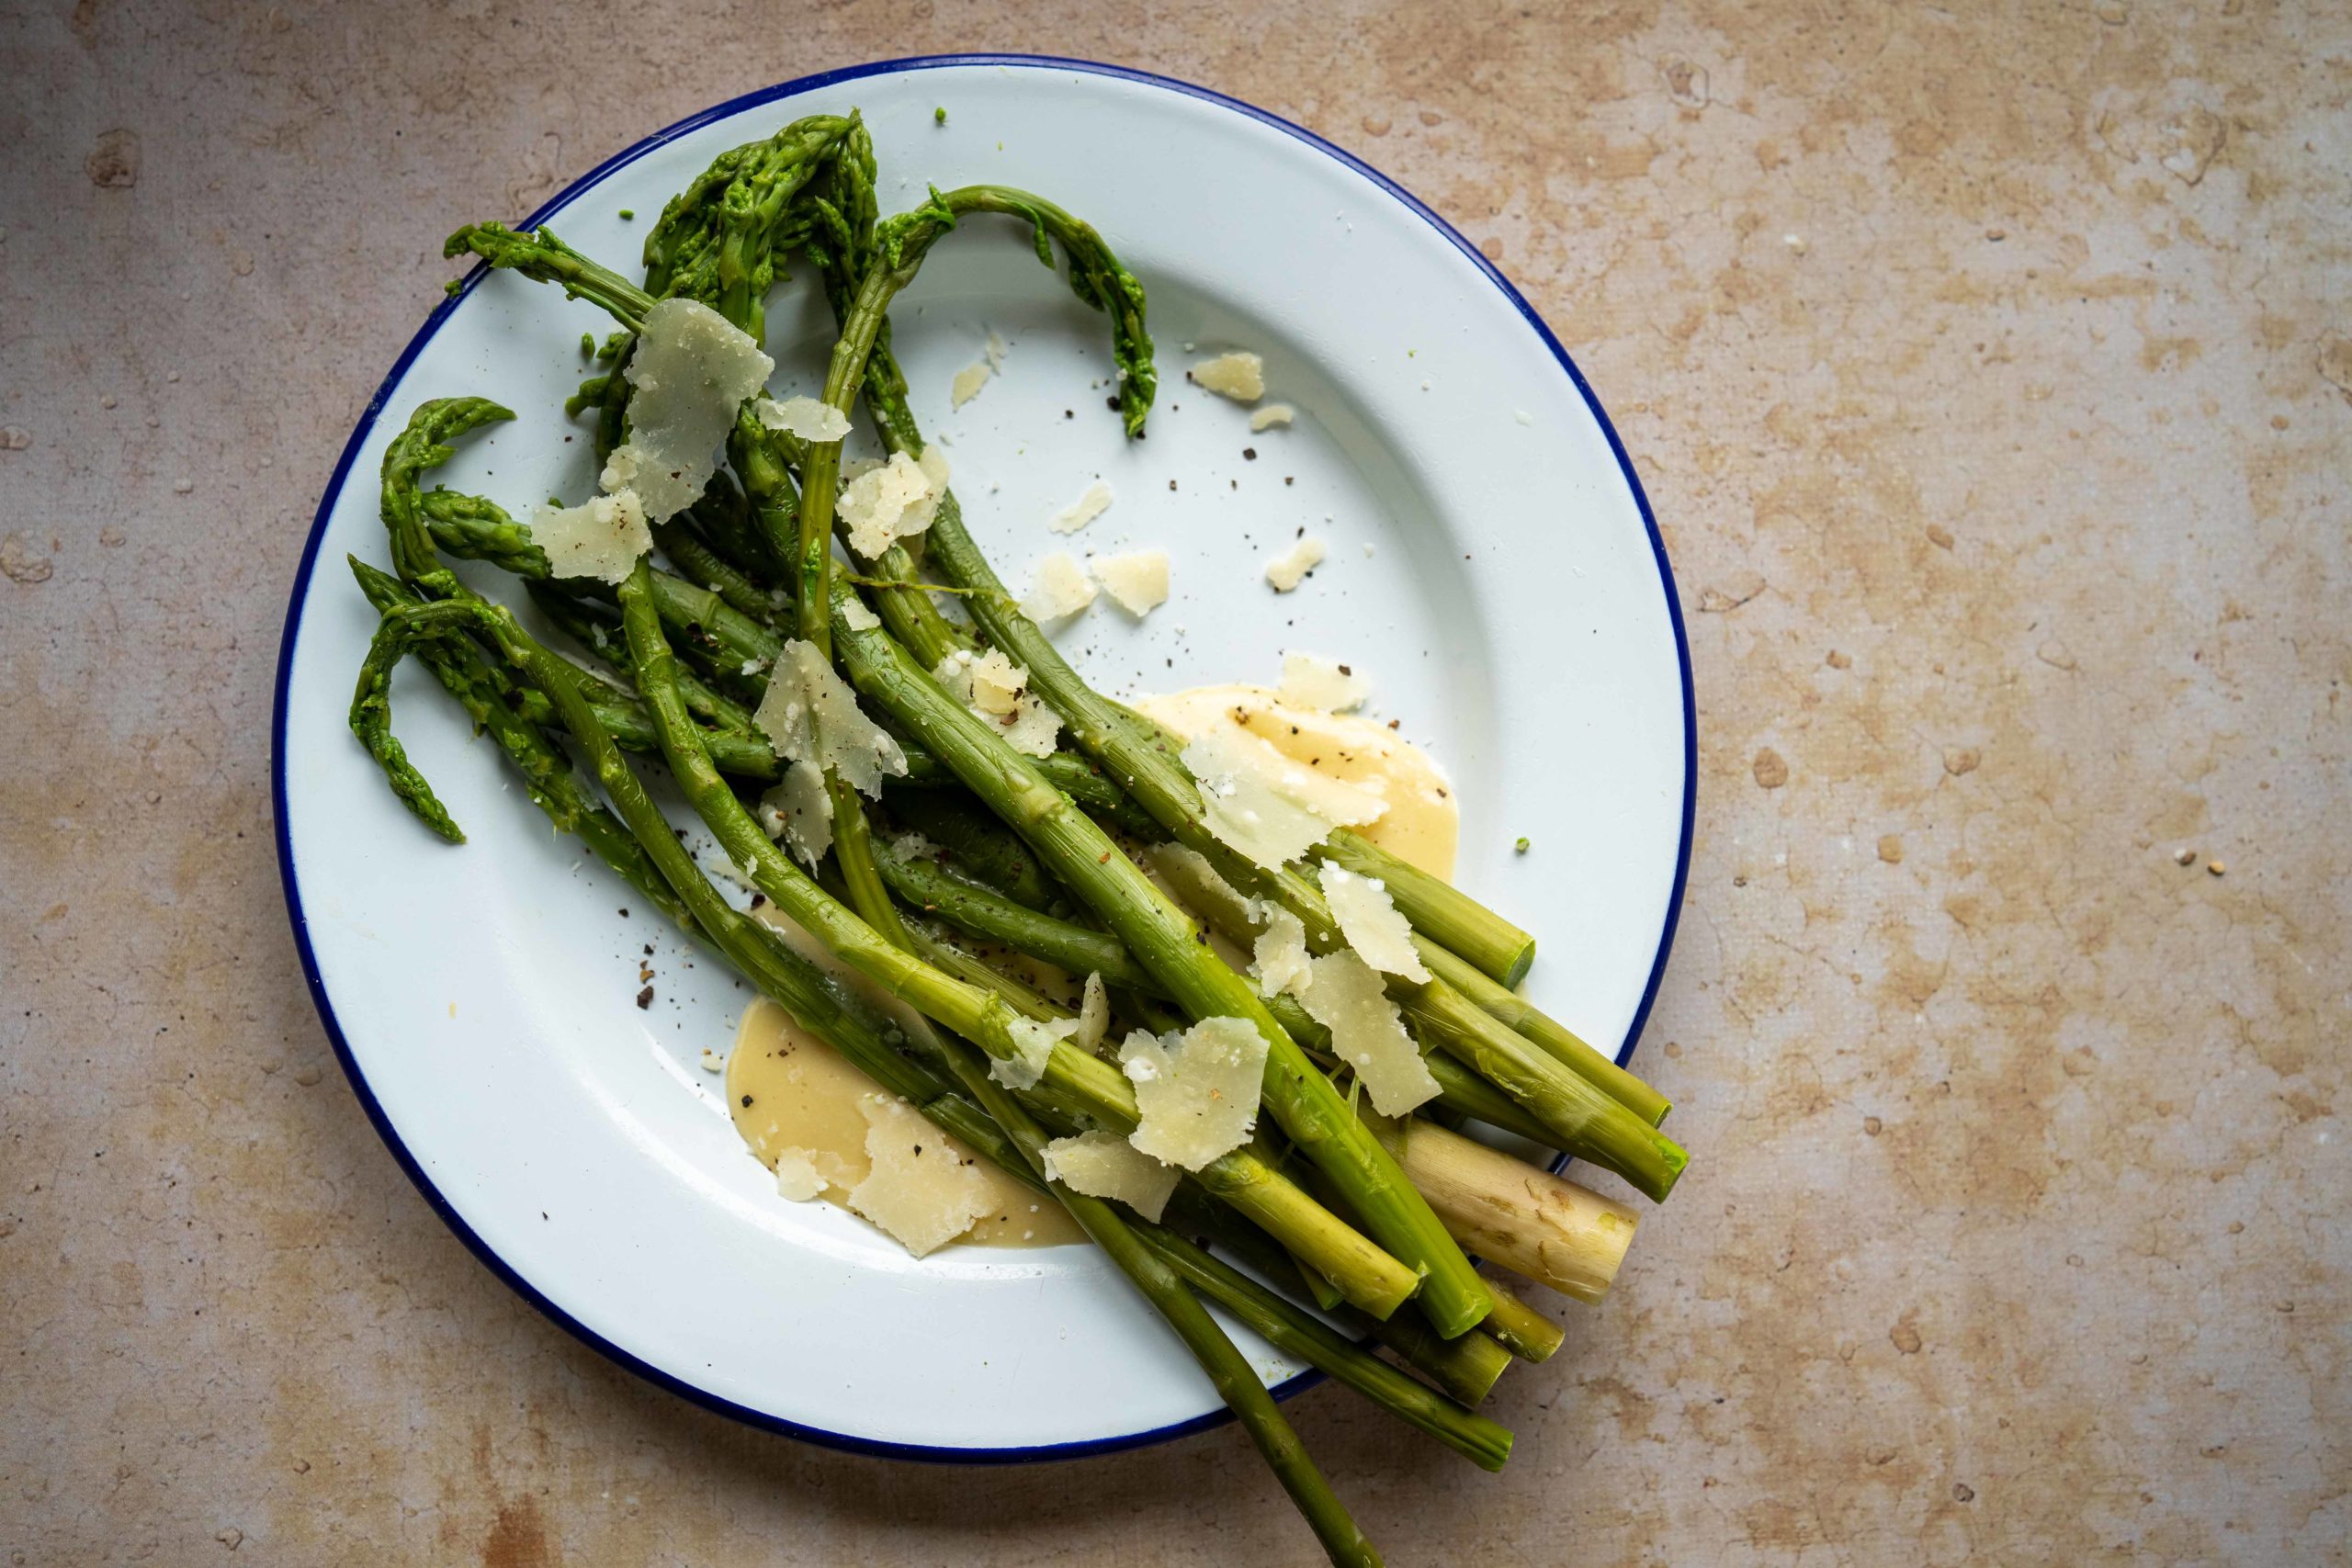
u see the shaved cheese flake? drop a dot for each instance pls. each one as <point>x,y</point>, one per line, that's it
<point>1104,1164</point>
<point>812,419</point>
<point>1271,415</point>
<point>933,464</point>
<point>1032,1046</point>
<point>1093,1019</point>
<point>1264,805</point>
<point>799,812</point>
<point>968,382</point>
<point>856,616</point>
<point>1196,1093</point>
<point>691,370</point>
<point>1312,681</point>
<point>797,1176</point>
<point>1279,962</point>
<point>810,715</point>
<point>1058,588</point>
<point>602,539</point>
<point>1367,1033</point>
<point>1241,376</point>
<point>1288,570</point>
<point>1139,580</point>
<point>888,502</point>
<point>994,350</point>
<point>922,1191</point>
<point>1090,505</point>
<point>1368,918</point>
<point>997,689</point>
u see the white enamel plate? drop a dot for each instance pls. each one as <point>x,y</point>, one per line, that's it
<point>1493,569</point>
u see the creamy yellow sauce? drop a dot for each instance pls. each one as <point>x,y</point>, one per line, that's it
<point>1422,825</point>
<point>786,1090</point>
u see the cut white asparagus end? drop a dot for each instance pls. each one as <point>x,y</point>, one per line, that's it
<point>1526,1219</point>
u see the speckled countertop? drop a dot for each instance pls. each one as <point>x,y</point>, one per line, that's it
<point>1990,374</point>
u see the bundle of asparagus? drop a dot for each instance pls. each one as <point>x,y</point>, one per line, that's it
<point>728,665</point>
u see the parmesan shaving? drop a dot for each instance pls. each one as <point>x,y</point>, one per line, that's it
<point>799,812</point>
<point>1138,581</point>
<point>796,1177</point>
<point>994,350</point>
<point>1241,376</point>
<point>1288,570</point>
<point>1093,1019</point>
<point>1271,415</point>
<point>1279,962</point>
<point>889,502</point>
<point>1346,998</point>
<point>968,382</point>
<point>1312,681</point>
<point>1059,588</point>
<point>997,689</point>
<point>1090,505</point>
<point>856,616</point>
<point>1104,1164</point>
<point>812,419</point>
<point>810,715</point>
<point>1196,1093</point>
<point>1033,1045</point>
<point>691,370</point>
<point>920,1191</point>
<point>1266,806</point>
<point>602,539</point>
<point>1368,918</point>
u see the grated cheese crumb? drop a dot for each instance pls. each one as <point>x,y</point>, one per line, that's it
<point>968,382</point>
<point>602,538</point>
<point>810,715</point>
<point>690,371</point>
<point>1264,805</point>
<point>1368,918</point>
<point>1090,505</point>
<point>1196,1093</point>
<point>1279,962</point>
<point>1104,1164</point>
<point>994,687</point>
<point>1312,681</point>
<point>1271,415</point>
<point>1059,588</point>
<point>1241,376</point>
<point>920,1190</point>
<point>1347,997</point>
<point>1286,570</point>
<point>1138,581</point>
<point>812,419</point>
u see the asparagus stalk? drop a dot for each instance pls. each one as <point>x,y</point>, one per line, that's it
<point>1528,1220</point>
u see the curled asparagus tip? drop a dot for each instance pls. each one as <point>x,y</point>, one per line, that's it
<point>541,255</point>
<point>397,635</point>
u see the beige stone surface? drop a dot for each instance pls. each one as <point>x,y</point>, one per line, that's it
<point>1991,370</point>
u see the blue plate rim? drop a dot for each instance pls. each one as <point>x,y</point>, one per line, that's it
<point>290,632</point>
